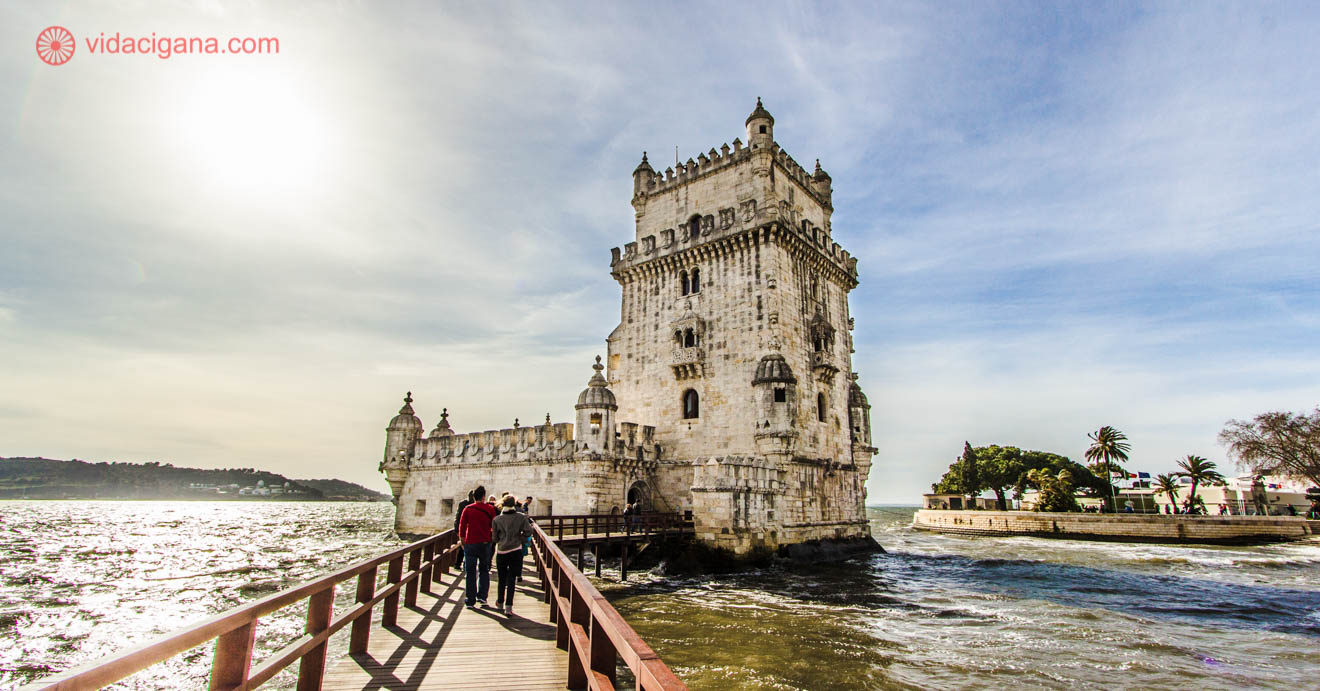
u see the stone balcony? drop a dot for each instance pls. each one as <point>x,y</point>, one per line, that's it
<point>688,363</point>
<point>823,364</point>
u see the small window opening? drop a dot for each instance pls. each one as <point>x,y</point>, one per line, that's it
<point>780,394</point>
<point>420,510</point>
<point>820,407</point>
<point>686,285</point>
<point>691,405</point>
<point>694,227</point>
<point>689,339</point>
<point>678,338</point>
<point>762,129</point>
<point>595,423</point>
<point>696,280</point>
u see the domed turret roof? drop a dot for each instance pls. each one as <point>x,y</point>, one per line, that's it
<point>406,419</point>
<point>597,394</point>
<point>773,368</point>
<point>760,112</point>
<point>857,399</point>
<point>442,428</point>
<point>645,165</point>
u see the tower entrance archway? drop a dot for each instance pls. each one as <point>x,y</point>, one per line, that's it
<point>640,494</point>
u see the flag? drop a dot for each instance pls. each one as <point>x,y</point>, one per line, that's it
<point>1143,475</point>
<point>1133,475</point>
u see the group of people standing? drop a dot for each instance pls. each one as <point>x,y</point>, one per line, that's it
<point>492,528</point>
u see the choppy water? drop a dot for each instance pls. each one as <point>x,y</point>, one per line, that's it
<point>79,580</point>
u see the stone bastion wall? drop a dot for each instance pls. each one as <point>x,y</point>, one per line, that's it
<point>1118,527</point>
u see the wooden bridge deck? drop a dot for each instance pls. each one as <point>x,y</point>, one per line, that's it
<point>439,644</point>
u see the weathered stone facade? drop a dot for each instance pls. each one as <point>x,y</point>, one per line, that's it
<point>732,365</point>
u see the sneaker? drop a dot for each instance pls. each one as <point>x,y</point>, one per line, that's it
<point>471,606</point>
<point>508,610</point>
<point>483,604</point>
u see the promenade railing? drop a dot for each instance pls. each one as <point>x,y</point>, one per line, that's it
<point>593,633</point>
<point>408,570</point>
<point>588,627</point>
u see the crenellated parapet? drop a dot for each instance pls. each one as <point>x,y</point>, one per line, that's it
<point>803,240</point>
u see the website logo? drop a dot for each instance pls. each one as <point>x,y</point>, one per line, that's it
<point>55,45</point>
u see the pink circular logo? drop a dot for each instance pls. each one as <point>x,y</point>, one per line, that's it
<point>55,45</point>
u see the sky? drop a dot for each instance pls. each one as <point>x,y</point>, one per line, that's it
<point>1066,215</point>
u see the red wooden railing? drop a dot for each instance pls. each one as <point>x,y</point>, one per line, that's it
<point>591,630</point>
<point>235,630</point>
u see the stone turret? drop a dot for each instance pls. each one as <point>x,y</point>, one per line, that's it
<point>821,185</point>
<point>595,414</point>
<point>760,127</point>
<point>400,440</point>
<point>859,415</point>
<point>775,393</point>
<point>642,176</point>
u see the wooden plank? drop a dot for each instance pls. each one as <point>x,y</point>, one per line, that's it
<point>440,645</point>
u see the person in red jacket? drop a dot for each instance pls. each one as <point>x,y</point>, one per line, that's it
<point>474,534</point>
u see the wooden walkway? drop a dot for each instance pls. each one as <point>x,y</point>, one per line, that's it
<point>440,644</point>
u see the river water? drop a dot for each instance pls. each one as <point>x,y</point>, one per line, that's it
<point>79,580</point>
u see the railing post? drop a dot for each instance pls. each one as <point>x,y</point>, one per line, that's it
<point>578,614</point>
<point>563,590</point>
<point>366,589</point>
<point>410,590</point>
<point>604,658</point>
<point>394,575</point>
<point>311,670</point>
<point>428,553</point>
<point>596,552</point>
<point>233,657</point>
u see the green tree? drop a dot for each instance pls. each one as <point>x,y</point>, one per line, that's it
<point>971,477</point>
<point>1168,484</point>
<point>1055,490</point>
<point>1277,443</point>
<point>1108,445</point>
<point>1199,470</point>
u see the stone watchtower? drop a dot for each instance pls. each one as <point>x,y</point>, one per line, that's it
<point>728,391</point>
<point>733,332</point>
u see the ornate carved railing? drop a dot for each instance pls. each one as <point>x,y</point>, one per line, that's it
<point>590,629</point>
<point>235,630</point>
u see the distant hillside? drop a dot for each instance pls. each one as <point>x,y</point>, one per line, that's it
<point>44,478</point>
<point>340,490</point>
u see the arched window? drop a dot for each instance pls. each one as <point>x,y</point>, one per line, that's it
<point>696,280</point>
<point>678,337</point>
<point>686,286</point>
<point>595,423</point>
<point>691,406</point>
<point>689,339</point>
<point>820,407</point>
<point>781,395</point>
<point>694,227</point>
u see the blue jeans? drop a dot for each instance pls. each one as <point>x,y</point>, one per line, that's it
<point>476,566</point>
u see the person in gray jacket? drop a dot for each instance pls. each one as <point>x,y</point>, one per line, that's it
<point>508,530</point>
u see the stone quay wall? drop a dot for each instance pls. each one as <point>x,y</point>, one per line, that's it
<point>1117,527</point>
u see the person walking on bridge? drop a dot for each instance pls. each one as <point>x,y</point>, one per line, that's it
<point>474,532</point>
<point>458,515</point>
<point>508,530</point>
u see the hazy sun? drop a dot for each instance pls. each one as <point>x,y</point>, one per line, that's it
<point>248,128</point>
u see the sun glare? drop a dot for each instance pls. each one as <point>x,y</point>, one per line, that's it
<point>253,130</point>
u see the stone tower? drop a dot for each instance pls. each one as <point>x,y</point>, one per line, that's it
<point>733,332</point>
<point>728,391</point>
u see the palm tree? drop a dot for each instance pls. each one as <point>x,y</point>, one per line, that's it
<point>1108,444</point>
<point>1199,470</point>
<point>1168,484</point>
